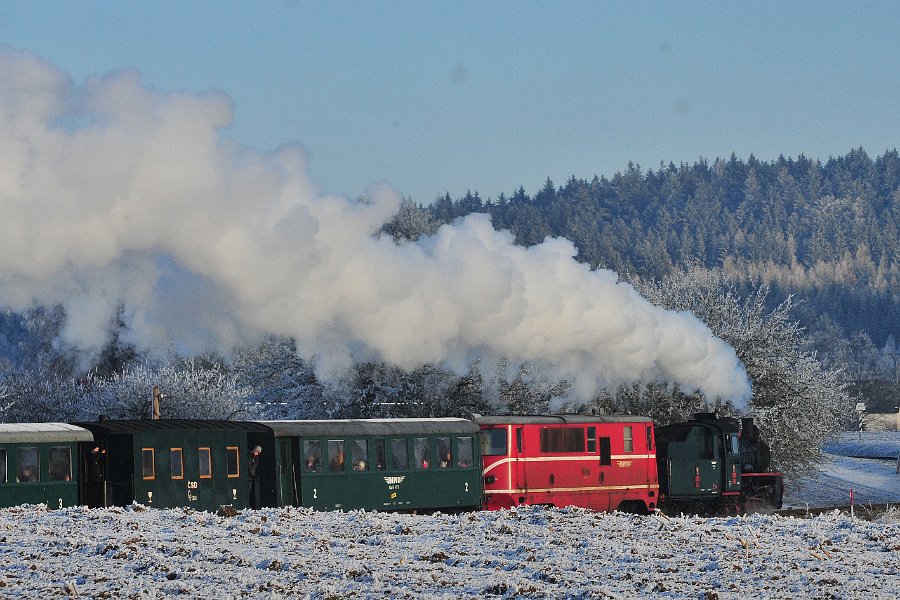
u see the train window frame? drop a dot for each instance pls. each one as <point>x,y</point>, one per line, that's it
<point>465,452</point>
<point>359,455</point>
<point>207,452</point>
<point>592,440</point>
<point>380,456</point>
<point>562,440</point>
<point>232,462</point>
<point>445,452</point>
<point>148,468</point>
<point>3,465</point>
<point>312,452</point>
<point>337,461</point>
<point>649,438</point>
<point>20,464</point>
<point>399,450</point>
<point>53,471</point>
<point>628,438</point>
<point>421,453</point>
<point>179,452</point>
<point>490,442</point>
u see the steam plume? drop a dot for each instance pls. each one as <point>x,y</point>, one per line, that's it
<point>112,193</point>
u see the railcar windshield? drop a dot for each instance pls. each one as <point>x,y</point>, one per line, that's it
<point>493,442</point>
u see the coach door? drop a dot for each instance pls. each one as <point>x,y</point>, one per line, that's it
<point>521,470</point>
<point>95,469</point>
<point>287,474</point>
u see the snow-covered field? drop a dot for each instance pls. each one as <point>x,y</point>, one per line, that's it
<point>525,553</point>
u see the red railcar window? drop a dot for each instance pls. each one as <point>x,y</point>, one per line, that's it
<point>591,439</point>
<point>493,442</point>
<point>568,439</point>
<point>605,451</point>
<point>628,438</point>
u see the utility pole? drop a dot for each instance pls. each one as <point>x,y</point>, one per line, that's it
<point>156,397</point>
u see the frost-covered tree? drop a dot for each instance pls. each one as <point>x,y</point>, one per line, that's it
<point>279,383</point>
<point>191,389</point>
<point>411,222</point>
<point>797,402</point>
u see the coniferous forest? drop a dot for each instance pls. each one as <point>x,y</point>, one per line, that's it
<point>827,233</point>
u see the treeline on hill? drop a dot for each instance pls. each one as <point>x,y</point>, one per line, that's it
<point>826,233</point>
<point>730,242</point>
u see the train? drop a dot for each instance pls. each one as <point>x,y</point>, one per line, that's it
<point>600,462</point>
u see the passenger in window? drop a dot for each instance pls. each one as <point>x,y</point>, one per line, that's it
<point>312,463</point>
<point>446,460</point>
<point>253,470</point>
<point>27,474</point>
<point>337,461</point>
<point>360,466</point>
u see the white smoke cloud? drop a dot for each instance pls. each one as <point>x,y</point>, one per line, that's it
<point>112,193</point>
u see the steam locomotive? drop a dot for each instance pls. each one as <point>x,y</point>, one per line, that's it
<point>608,462</point>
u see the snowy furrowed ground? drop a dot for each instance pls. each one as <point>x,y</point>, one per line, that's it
<point>136,552</point>
<point>528,553</point>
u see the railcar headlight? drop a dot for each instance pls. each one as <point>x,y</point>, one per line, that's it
<point>489,479</point>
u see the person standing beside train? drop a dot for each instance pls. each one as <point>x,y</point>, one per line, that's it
<point>253,469</point>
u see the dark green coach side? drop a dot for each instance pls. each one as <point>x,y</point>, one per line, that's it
<point>167,463</point>
<point>372,464</point>
<point>38,463</point>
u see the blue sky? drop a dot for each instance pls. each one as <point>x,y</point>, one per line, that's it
<point>454,96</point>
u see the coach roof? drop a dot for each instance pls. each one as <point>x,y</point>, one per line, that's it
<point>369,427</point>
<point>18,433</point>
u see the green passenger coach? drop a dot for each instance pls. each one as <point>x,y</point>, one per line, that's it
<point>167,463</point>
<point>372,464</point>
<point>38,463</point>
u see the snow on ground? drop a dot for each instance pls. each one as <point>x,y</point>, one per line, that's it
<point>524,553</point>
<point>873,479</point>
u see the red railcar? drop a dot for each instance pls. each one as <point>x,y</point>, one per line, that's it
<point>598,462</point>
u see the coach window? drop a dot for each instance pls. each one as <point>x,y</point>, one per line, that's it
<point>422,453</point>
<point>628,439</point>
<point>176,463</point>
<point>2,465</point>
<point>464,457</point>
<point>28,466</point>
<point>335,456</point>
<point>379,455</point>
<point>445,456</point>
<point>493,442</point>
<point>399,455</point>
<point>205,463</point>
<point>591,440</point>
<point>148,463</point>
<point>60,463</point>
<point>232,461</point>
<point>312,450</point>
<point>359,454</point>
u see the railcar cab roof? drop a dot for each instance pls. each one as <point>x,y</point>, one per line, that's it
<point>558,419</point>
<point>370,427</point>
<point>18,433</point>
